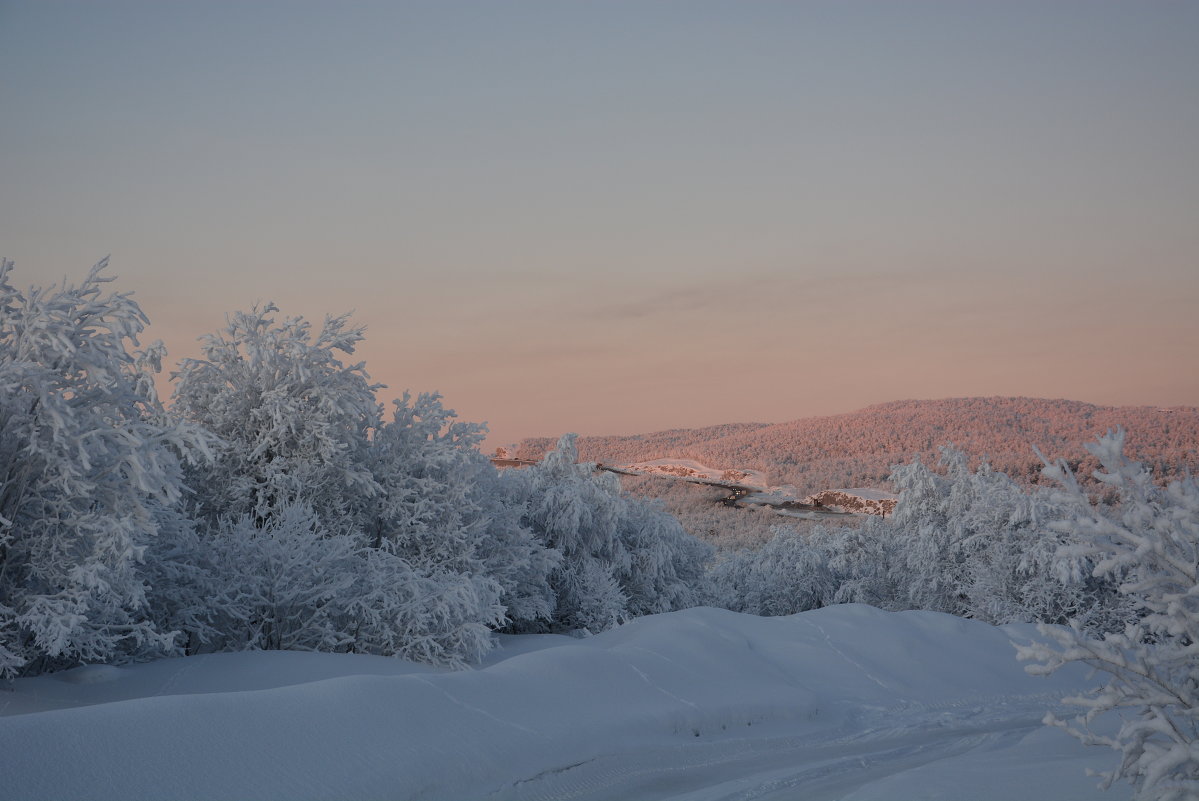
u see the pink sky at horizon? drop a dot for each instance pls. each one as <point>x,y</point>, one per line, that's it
<point>621,217</point>
<point>526,377</point>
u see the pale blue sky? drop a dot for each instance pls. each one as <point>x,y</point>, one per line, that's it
<point>543,209</point>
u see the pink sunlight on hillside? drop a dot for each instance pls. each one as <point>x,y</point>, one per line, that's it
<point>621,217</point>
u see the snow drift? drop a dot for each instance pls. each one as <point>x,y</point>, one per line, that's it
<point>846,701</point>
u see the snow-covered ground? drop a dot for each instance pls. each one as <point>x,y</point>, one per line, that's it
<point>691,470</point>
<point>856,500</point>
<point>846,702</point>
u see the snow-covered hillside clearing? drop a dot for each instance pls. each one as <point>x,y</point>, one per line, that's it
<point>785,498</point>
<point>692,470</point>
<point>846,702</point>
<point>858,500</point>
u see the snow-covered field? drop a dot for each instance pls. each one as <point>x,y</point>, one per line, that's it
<point>846,702</point>
<point>691,470</point>
<point>856,500</point>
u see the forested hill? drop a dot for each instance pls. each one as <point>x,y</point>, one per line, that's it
<point>859,448</point>
<point>638,447</point>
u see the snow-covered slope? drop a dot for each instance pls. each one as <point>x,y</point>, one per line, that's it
<point>842,702</point>
<point>858,500</point>
<point>692,470</point>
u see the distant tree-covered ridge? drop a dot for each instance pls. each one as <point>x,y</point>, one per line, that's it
<point>860,448</point>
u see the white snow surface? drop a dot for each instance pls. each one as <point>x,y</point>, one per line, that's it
<point>691,470</point>
<point>847,702</point>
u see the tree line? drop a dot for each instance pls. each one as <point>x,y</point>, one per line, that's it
<point>274,505</point>
<point>858,449</point>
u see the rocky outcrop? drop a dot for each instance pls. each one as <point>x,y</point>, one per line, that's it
<point>856,501</point>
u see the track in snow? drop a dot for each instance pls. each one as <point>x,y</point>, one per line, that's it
<point>829,765</point>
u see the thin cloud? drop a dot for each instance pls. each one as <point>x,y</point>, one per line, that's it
<point>684,300</point>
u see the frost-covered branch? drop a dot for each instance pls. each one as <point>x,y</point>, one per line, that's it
<point>1150,544</point>
<point>89,459</point>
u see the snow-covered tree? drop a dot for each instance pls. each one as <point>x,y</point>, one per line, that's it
<point>788,574</point>
<point>1015,568</point>
<point>925,518</point>
<point>976,544</point>
<point>180,572</point>
<point>294,421</point>
<point>438,558</point>
<point>440,506</point>
<point>288,583</point>
<point>89,462</point>
<point>283,584</point>
<point>667,566</point>
<point>966,542</point>
<point>440,618</point>
<point>1149,543</point>
<point>619,557</point>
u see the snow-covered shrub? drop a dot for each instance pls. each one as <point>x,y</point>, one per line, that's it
<point>89,461</point>
<point>294,421</point>
<point>864,562</point>
<point>967,542</point>
<point>975,543</point>
<point>441,556</point>
<point>285,584</point>
<point>788,574</point>
<point>619,557</point>
<point>513,556</point>
<point>441,507</point>
<point>1149,543</point>
<point>441,618</point>
<point>667,566</point>
<point>181,583</point>
<point>930,565</point>
<point>289,584</point>
<point>912,560</point>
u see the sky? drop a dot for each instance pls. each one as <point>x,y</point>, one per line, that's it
<point>617,217</point>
